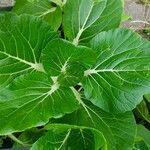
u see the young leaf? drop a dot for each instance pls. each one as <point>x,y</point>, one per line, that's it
<point>117,82</point>
<point>22,38</point>
<point>118,130</point>
<point>31,100</point>
<point>62,136</point>
<point>42,9</point>
<point>62,58</point>
<point>83,19</point>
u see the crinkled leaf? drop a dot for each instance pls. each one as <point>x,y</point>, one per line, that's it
<point>62,58</point>
<point>65,137</point>
<point>42,9</point>
<point>121,76</point>
<point>31,100</point>
<point>22,38</point>
<point>83,19</point>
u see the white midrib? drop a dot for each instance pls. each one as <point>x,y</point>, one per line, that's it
<point>65,139</point>
<point>64,67</point>
<point>93,71</point>
<point>54,87</point>
<point>47,12</point>
<point>76,39</point>
<point>36,66</point>
<point>78,97</point>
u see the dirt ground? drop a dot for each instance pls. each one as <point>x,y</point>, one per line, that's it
<point>140,14</point>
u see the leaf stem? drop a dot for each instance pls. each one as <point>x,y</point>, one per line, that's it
<point>11,136</point>
<point>76,40</point>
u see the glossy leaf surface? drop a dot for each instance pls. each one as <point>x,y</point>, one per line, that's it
<point>121,75</point>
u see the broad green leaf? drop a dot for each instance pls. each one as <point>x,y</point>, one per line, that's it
<point>42,9</point>
<point>121,76</point>
<point>62,58</point>
<point>31,100</point>
<point>118,129</point>
<point>63,136</point>
<point>83,19</point>
<point>143,134</point>
<point>22,38</point>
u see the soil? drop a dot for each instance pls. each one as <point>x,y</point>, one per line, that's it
<point>140,16</point>
<point>6,3</point>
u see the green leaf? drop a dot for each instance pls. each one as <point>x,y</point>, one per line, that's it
<point>62,58</point>
<point>143,134</point>
<point>62,136</point>
<point>118,129</point>
<point>93,17</point>
<point>142,111</point>
<point>126,17</point>
<point>28,137</point>
<point>22,38</point>
<point>5,80</point>
<point>42,9</point>
<point>121,76</point>
<point>31,100</point>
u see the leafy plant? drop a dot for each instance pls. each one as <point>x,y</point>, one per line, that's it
<point>69,78</point>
